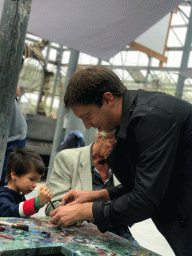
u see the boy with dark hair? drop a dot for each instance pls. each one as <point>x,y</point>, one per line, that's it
<point>25,167</point>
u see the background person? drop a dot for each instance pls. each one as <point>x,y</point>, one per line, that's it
<point>17,135</point>
<point>74,139</point>
<point>25,167</point>
<point>152,158</point>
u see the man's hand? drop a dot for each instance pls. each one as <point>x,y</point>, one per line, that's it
<point>44,195</point>
<point>78,196</point>
<point>71,214</point>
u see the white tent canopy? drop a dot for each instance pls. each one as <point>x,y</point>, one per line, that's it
<point>99,28</point>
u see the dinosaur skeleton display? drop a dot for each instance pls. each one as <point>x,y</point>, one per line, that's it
<point>34,51</point>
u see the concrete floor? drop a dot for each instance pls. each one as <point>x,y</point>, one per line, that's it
<point>149,237</point>
<point>144,232</point>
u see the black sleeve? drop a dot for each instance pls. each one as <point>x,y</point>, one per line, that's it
<point>116,191</point>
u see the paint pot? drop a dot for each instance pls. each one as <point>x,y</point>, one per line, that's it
<point>45,234</point>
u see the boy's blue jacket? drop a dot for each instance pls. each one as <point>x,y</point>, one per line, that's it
<point>9,202</point>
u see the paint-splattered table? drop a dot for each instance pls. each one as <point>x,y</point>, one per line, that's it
<point>82,240</point>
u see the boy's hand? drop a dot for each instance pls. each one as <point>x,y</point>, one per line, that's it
<point>44,195</point>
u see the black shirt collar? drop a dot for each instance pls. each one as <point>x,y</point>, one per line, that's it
<point>129,99</point>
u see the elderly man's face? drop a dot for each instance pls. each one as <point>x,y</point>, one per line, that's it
<point>102,148</point>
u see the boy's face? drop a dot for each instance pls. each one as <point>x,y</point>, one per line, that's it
<point>28,182</point>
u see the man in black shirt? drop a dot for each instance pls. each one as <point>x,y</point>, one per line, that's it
<point>152,158</point>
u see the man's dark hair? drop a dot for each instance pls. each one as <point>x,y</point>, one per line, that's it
<point>22,160</point>
<point>87,86</point>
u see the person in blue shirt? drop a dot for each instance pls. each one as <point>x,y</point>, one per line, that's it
<point>24,168</point>
<point>17,135</point>
<point>74,139</point>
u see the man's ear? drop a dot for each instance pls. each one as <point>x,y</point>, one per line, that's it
<point>108,98</point>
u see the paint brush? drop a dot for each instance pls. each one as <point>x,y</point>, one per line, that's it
<point>52,205</point>
<point>8,237</point>
<point>15,225</point>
